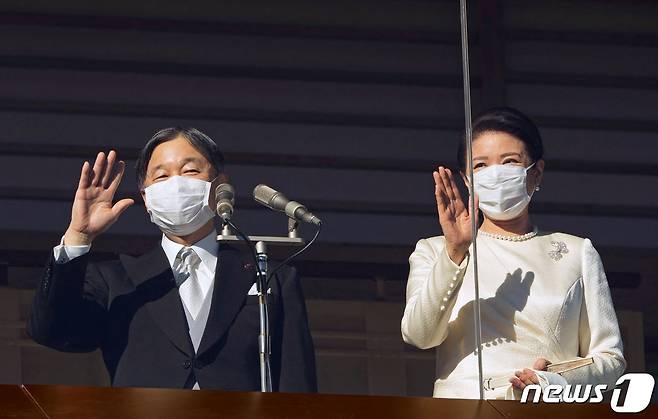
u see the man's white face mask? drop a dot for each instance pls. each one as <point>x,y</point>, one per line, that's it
<point>502,190</point>
<point>179,205</point>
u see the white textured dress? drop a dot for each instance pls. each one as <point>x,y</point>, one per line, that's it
<point>546,297</point>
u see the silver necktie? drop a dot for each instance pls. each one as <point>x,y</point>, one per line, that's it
<point>185,266</point>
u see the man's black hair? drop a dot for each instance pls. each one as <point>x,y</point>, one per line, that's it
<point>200,141</point>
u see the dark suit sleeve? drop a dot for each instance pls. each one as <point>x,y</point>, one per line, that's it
<point>69,307</point>
<point>297,373</point>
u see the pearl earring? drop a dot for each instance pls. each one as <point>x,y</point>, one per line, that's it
<point>537,188</point>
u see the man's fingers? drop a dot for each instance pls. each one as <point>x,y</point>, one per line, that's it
<point>97,171</point>
<point>107,173</point>
<point>117,176</point>
<point>121,206</point>
<point>85,176</point>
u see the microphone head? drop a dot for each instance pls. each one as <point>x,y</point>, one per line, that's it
<point>225,192</point>
<point>225,199</point>
<point>277,201</point>
<point>269,197</point>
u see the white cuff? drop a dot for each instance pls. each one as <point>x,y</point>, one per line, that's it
<point>64,253</point>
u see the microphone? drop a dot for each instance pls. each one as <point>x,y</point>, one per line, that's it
<point>225,199</point>
<point>277,201</point>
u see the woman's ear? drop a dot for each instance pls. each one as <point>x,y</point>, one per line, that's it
<point>466,181</point>
<point>464,178</point>
<point>539,173</point>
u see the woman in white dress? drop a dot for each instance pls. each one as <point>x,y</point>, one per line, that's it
<point>544,296</point>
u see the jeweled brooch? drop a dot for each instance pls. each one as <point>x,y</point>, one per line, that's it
<point>560,250</point>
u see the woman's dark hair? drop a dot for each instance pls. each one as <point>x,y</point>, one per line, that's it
<point>200,141</point>
<point>510,121</point>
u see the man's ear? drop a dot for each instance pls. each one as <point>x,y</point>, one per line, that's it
<point>222,178</point>
<point>143,195</point>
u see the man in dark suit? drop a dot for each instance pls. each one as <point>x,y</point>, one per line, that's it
<point>185,314</point>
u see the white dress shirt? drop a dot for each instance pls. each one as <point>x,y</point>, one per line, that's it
<point>544,297</point>
<point>206,249</point>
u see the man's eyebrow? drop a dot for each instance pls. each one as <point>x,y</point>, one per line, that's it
<point>184,162</point>
<point>191,159</point>
<point>160,166</point>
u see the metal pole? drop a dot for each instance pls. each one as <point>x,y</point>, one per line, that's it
<point>264,342</point>
<point>471,188</point>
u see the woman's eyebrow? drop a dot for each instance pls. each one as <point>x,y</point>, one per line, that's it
<point>511,154</point>
<point>191,160</point>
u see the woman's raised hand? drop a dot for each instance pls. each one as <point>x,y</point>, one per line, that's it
<point>93,211</point>
<point>454,217</point>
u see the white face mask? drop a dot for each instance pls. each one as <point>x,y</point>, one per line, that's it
<point>179,205</point>
<point>502,190</point>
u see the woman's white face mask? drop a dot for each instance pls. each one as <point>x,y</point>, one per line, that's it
<point>502,190</point>
<point>179,205</point>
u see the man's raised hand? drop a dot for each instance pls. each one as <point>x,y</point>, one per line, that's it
<point>93,211</point>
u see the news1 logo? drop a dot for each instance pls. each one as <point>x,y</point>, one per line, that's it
<point>631,394</point>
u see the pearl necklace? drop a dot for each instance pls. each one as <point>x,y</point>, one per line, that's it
<point>520,238</point>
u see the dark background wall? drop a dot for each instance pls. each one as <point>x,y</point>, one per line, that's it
<point>346,106</point>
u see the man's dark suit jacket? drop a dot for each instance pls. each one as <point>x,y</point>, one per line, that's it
<point>130,309</point>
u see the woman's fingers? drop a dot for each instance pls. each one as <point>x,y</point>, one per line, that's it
<point>446,183</point>
<point>439,193</point>
<point>517,383</point>
<point>526,377</point>
<point>530,377</point>
<point>456,196</point>
<point>109,167</point>
<point>541,364</point>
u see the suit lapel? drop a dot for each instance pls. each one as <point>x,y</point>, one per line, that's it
<point>154,282</point>
<point>232,282</point>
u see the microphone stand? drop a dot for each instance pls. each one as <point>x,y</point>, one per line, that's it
<point>264,340</point>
